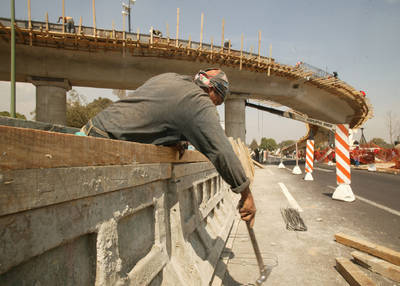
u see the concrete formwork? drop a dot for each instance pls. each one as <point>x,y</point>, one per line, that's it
<point>151,224</point>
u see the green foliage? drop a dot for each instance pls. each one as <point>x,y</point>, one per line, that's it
<point>7,114</point>
<point>253,145</point>
<point>268,144</point>
<point>285,143</point>
<point>79,113</point>
<point>381,143</point>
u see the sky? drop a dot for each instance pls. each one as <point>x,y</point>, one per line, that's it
<point>359,39</point>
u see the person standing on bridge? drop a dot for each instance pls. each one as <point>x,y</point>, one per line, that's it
<point>68,22</point>
<point>171,108</point>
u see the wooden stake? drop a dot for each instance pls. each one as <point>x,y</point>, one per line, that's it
<point>151,35</point>
<point>190,42</point>
<point>167,32</point>
<point>47,22</point>
<point>201,30</point>
<point>29,15</point>
<point>259,46</point>
<point>63,17</point>
<point>113,29</point>
<point>241,53</point>
<point>251,51</point>
<point>80,26</point>
<point>212,40</point>
<point>94,18</point>
<point>138,35</point>
<point>177,27</point>
<point>123,26</point>
<point>269,60</point>
<point>223,36</point>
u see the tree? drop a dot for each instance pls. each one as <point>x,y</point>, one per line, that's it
<point>253,145</point>
<point>79,113</point>
<point>285,143</point>
<point>7,114</point>
<point>268,144</point>
<point>381,143</point>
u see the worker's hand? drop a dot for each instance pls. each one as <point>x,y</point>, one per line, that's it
<point>181,147</point>
<point>247,208</point>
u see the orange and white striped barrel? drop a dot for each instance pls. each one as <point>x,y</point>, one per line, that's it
<point>309,156</point>
<point>342,154</point>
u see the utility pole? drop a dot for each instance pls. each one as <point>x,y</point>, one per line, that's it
<point>12,106</point>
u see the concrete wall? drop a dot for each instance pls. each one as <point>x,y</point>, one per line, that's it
<point>152,224</point>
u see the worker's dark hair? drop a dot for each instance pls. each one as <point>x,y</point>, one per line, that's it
<point>215,78</point>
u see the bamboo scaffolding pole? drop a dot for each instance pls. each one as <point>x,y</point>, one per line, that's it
<point>94,18</point>
<point>201,30</point>
<point>241,52</point>
<point>63,16</point>
<point>177,27</point>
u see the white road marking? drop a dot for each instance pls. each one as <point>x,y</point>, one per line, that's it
<point>392,211</point>
<point>324,170</point>
<point>289,197</point>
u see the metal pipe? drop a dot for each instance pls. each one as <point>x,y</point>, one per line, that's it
<point>12,106</point>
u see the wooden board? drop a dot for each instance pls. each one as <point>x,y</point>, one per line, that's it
<point>22,148</point>
<point>377,265</point>
<point>353,275</point>
<point>369,247</point>
<point>22,190</point>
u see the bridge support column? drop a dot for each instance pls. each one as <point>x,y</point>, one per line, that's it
<point>235,117</point>
<point>51,99</point>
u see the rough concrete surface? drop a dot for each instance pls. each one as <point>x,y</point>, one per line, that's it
<point>304,258</point>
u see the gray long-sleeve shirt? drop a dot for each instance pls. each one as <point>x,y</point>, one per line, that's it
<point>169,108</point>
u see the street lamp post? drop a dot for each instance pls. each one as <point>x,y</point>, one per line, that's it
<point>127,11</point>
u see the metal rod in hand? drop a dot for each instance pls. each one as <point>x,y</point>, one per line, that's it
<point>254,243</point>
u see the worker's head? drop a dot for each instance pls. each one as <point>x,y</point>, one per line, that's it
<point>215,82</point>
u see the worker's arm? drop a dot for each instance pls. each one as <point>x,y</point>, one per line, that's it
<point>199,123</point>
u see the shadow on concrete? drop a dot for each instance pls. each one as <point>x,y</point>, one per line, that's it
<point>328,194</point>
<point>202,243</point>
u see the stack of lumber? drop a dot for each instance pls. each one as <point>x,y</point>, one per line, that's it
<point>242,152</point>
<point>376,258</point>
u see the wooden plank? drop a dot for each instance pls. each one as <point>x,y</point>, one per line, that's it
<point>29,149</point>
<point>257,164</point>
<point>374,249</point>
<point>23,190</point>
<point>353,275</point>
<point>377,265</point>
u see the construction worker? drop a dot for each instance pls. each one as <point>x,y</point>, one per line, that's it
<point>68,22</point>
<point>169,108</point>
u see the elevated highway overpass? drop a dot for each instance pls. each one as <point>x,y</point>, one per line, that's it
<point>54,61</point>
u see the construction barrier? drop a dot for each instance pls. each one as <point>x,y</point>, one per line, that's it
<point>342,154</point>
<point>309,165</point>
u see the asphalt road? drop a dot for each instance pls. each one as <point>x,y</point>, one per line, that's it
<point>381,188</point>
<point>308,257</point>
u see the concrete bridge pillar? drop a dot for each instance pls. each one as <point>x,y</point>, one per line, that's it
<point>51,99</point>
<point>235,117</point>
